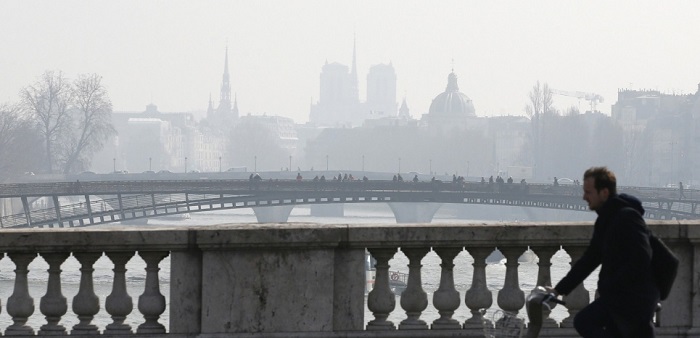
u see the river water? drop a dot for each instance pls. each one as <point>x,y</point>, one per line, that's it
<point>103,275</point>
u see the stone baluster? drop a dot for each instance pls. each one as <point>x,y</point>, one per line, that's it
<point>152,302</point>
<point>478,296</point>
<point>414,299</point>
<point>118,304</point>
<point>381,301</point>
<point>579,297</point>
<point>53,305</point>
<point>2,255</point>
<point>446,298</point>
<point>86,304</point>
<point>511,298</point>
<point>544,277</point>
<point>20,305</point>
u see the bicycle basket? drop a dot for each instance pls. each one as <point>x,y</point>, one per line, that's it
<point>503,324</point>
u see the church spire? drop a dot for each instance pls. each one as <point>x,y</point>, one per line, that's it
<point>226,64</point>
<point>210,109</point>
<point>225,96</point>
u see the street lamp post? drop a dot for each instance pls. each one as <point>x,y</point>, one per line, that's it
<point>326,162</point>
<point>114,164</point>
<point>363,163</point>
<point>150,161</point>
<point>185,164</point>
<point>255,163</point>
<point>430,168</point>
<point>399,165</point>
<point>219,163</point>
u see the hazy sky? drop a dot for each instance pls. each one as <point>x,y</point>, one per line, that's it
<point>171,52</point>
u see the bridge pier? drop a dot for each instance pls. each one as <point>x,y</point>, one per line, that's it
<point>414,212</point>
<point>273,214</point>
<point>328,210</point>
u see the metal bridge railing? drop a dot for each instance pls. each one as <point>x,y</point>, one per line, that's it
<point>168,197</point>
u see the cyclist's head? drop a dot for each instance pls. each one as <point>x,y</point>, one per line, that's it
<point>603,178</point>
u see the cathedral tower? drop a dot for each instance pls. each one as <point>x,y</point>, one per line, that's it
<point>381,92</point>
<point>339,102</point>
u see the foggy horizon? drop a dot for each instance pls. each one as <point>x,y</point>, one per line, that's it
<point>171,54</point>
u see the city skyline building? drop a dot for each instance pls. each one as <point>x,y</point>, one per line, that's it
<point>659,131</point>
<point>660,135</point>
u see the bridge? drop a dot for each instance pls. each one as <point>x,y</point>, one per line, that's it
<point>94,202</point>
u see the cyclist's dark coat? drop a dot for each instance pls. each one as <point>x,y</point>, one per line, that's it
<point>620,243</point>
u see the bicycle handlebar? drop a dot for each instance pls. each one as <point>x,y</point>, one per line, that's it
<point>551,297</point>
<point>539,299</point>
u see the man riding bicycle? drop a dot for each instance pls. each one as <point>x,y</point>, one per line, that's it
<point>620,245</point>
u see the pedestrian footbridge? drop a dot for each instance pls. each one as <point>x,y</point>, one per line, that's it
<point>69,204</point>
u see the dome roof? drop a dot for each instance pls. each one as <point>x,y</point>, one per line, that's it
<point>452,101</point>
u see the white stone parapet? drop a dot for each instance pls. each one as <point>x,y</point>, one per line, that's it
<point>308,280</point>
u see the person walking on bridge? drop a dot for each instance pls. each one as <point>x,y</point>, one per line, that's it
<point>620,245</point>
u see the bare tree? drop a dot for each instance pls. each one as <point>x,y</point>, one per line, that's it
<point>91,122</point>
<point>540,106</point>
<point>75,119</point>
<point>20,143</point>
<point>572,111</point>
<point>48,103</point>
<point>540,101</point>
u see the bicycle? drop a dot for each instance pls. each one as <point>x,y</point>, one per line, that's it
<point>505,324</point>
<point>538,299</point>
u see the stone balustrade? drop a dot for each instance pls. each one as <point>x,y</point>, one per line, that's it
<point>308,280</point>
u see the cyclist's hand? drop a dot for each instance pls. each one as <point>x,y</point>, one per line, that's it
<point>551,290</point>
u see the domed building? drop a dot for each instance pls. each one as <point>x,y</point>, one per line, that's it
<point>451,107</point>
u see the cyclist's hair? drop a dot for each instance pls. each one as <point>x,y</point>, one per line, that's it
<point>602,178</point>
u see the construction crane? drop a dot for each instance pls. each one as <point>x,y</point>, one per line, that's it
<point>592,98</point>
